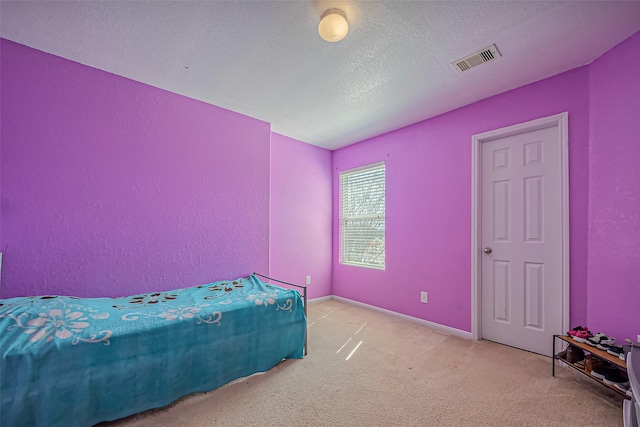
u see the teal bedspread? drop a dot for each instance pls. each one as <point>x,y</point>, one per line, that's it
<point>70,361</point>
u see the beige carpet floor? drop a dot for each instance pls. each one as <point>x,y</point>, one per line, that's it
<point>367,368</point>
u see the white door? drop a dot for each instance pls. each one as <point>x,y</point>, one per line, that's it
<point>521,228</point>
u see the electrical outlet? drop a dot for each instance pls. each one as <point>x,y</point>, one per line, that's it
<point>638,338</point>
<point>308,280</point>
<point>424,297</point>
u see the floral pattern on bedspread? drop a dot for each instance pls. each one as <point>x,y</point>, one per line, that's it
<point>54,317</point>
<point>181,313</point>
<point>50,319</point>
<point>147,300</point>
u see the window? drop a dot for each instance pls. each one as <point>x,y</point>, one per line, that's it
<point>362,223</point>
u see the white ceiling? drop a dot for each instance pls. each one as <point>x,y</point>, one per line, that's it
<point>266,60</point>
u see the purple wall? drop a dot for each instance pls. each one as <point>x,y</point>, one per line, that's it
<point>113,187</point>
<point>429,202</point>
<point>110,187</point>
<point>301,214</point>
<point>614,192</point>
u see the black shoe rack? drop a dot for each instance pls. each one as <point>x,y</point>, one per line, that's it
<point>595,352</point>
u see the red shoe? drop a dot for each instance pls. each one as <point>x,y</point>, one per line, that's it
<point>582,336</point>
<point>577,329</point>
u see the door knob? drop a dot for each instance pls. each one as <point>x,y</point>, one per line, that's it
<point>487,250</point>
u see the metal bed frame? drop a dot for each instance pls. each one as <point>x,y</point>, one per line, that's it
<point>304,297</point>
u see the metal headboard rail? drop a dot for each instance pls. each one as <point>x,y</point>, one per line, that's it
<point>304,297</point>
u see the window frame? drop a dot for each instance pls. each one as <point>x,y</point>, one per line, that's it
<point>342,219</point>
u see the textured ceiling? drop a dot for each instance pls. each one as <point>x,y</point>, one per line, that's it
<point>266,60</point>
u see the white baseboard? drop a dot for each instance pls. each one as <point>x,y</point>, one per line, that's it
<point>321,299</point>
<point>437,326</point>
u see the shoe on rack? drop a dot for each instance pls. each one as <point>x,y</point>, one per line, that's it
<point>601,338</point>
<point>574,354</point>
<point>622,387</point>
<point>582,336</point>
<point>601,371</point>
<point>614,350</point>
<point>562,355</point>
<point>577,329</point>
<point>616,377</point>
<point>625,350</point>
<point>592,363</point>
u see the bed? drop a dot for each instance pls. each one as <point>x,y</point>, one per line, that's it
<point>70,361</point>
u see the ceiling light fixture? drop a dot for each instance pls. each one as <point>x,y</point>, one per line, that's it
<point>333,25</point>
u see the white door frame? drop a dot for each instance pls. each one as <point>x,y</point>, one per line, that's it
<point>561,121</point>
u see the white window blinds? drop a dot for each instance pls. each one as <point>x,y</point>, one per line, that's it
<point>362,223</point>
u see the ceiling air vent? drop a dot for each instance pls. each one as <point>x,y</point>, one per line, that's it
<point>485,55</point>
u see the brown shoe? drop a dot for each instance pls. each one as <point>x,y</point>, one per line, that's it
<point>592,363</point>
<point>574,354</point>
